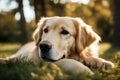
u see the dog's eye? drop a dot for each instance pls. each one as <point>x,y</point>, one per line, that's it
<point>64,32</point>
<point>46,30</point>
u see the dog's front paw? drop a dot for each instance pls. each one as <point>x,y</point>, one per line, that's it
<point>108,64</point>
<point>93,63</point>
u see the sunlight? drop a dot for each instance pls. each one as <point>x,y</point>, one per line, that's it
<point>17,16</point>
<point>4,6</point>
<point>81,1</point>
<point>28,11</point>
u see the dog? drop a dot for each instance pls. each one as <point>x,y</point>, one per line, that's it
<point>56,38</point>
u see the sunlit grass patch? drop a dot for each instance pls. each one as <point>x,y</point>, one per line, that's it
<point>104,47</point>
<point>107,51</point>
<point>7,49</point>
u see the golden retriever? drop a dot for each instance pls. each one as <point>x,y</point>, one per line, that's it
<point>57,38</point>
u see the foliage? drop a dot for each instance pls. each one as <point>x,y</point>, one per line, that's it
<point>20,70</point>
<point>7,49</point>
<point>8,28</point>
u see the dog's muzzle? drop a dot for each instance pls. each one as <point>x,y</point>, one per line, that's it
<point>45,48</point>
<point>45,51</point>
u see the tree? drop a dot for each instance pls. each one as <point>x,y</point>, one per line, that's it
<point>58,8</point>
<point>116,35</point>
<point>24,37</point>
<point>40,10</point>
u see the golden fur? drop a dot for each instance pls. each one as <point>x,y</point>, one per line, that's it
<point>65,37</point>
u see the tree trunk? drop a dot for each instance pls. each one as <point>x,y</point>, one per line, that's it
<point>116,35</point>
<point>22,22</point>
<point>40,10</point>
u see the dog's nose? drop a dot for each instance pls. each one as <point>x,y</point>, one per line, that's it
<point>45,47</point>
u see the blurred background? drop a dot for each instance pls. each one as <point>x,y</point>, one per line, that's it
<point>18,18</point>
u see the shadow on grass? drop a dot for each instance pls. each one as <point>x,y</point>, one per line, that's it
<point>111,53</point>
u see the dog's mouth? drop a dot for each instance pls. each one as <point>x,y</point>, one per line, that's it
<point>51,60</point>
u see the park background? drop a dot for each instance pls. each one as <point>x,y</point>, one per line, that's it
<point>18,19</point>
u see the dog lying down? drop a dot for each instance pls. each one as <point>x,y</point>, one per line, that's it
<point>68,42</point>
<point>67,65</point>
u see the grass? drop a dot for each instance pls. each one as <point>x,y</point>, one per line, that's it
<point>7,49</point>
<point>20,70</point>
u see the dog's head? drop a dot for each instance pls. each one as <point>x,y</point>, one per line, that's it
<point>59,37</point>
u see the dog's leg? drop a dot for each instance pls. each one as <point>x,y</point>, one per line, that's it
<point>95,62</point>
<point>73,66</point>
<point>5,60</point>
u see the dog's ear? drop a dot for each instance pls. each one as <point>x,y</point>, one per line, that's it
<point>38,32</point>
<point>85,36</point>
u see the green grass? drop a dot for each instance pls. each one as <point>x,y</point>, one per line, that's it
<point>7,49</point>
<point>20,70</point>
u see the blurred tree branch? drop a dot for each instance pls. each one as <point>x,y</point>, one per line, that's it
<point>22,22</point>
<point>116,35</point>
<point>40,10</point>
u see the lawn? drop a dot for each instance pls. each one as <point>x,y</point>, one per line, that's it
<point>18,70</point>
<point>7,49</point>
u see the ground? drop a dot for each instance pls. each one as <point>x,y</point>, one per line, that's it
<point>17,70</point>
